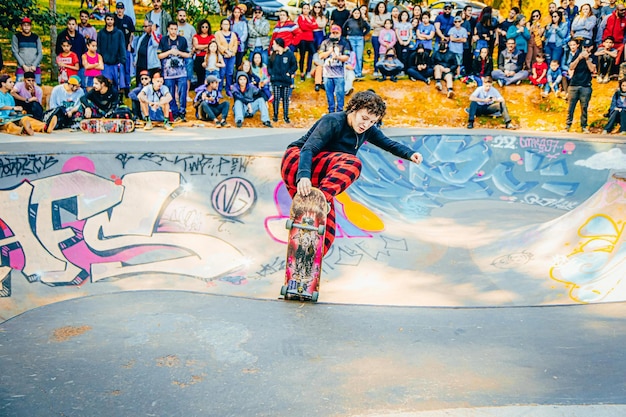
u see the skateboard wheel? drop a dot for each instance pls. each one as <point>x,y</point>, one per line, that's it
<point>289,224</point>
<point>314,296</point>
<point>283,290</point>
<point>321,230</point>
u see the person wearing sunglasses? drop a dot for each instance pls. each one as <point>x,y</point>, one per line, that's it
<point>555,37</point>
<point>535,43</point>
<point>146,46</point>
<point>143,80</point>
<point>443,23</point>
<point>258,34</point>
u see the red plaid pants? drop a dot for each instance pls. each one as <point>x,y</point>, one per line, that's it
<point>331,172</point>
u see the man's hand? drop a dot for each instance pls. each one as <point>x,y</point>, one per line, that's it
<point>304,187</point>
<point>415,158</point>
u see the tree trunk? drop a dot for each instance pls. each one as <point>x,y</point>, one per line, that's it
<point>54,69</point>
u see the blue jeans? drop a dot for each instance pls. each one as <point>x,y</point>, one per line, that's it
<point>112,72</point>
<point>553,52</point>
<point>358,44</point>
<point>226,73</point>
<point>576,94</point>
<point>262,51</point>
<point>376,48</point>
<point>177,85</point>
<point>335,87</point>
<point>259,105</point>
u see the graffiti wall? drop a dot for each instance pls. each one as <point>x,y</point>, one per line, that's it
<point>77,224</point>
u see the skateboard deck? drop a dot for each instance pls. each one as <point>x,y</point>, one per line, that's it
<point>12,118</point>
<point>107,125</point>
<point>305,246</point>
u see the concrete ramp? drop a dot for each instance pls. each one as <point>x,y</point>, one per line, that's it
<point>487,220</point>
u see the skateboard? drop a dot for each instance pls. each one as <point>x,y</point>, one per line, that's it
<point>306,225</point>
<point>107,125</point>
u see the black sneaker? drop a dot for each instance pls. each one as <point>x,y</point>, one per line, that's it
<point>267,124</point>
<point>275,119</point>
<point>470,124</point>
<point>394,79</point>
<point>317,87</point>
<point>287,120</point>
<point>238,123</point>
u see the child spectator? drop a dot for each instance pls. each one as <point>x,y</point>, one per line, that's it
<point>248,100</point>
<point>92,63</point>
<point>425,33</point>
<point>482,66</point>
<point>282,69</point>
<point>458,36</point>
<point>606,56</point>
<point>155,101</point>
<point>246,66</point>
<point>539,71</point>
<point>553,79</point>
<point>617,111</point>
<point>386,38</point>
<point>213,61</point>
<point>389,66</point>
<point>207,103</point>
<point>67,61</point>
<point>404,34</point>
<point>420,67</point>
<point>259,69</point>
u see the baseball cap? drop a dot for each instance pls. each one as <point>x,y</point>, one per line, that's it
<point>120,5</point>
<point>26,20</point>
<point>257,9</point>
<point>144,72</point>
<point>74,80</point>
<point>335,28</point>
<point>212,79</point>
<point>587,43</point>
<point>447,5</point>
<point>458,19</point>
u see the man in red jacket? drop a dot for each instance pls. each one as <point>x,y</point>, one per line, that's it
<point>615,27</point>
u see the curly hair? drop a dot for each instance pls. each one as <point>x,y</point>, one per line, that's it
<point>368,100</point>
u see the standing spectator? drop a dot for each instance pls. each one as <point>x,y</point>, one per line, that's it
<point>348,73</point>
<point>404,34</point>
<point>425,33</point>
<point>567,59</point>
<point>26,47</point>
<point>458,36</point>
<point>510,65</point>
<point>214,62</point>
<point>282,69</point>
<point>606,56</point>
<point>227,46</point>
<point>65,105</point>
<point>29,95</point>
<point>535,43</point>
<point>146,47</point>
<point>377,23</point>
<point>443,23</point>
<point>161,18</point>
<point>287,30</point>
<point>306,47</point>
<point>583,25</point>
<point>520,35</point>
<point>102,100</point>
<point>608,9</point>
<point>389,66</point>
<point>616,27</point>
<point>486,31</point>
<point>556,35</point>
<point>553,79</point>
<point>248,100</point>
<point>173,50</point>
<point>127,26</point>
<point>335,51</point>
<point>67,61</point>
<point>85,28</point>
<point>469,23</point>
<point>420,67</point>
<point>239,25</point>
<point>503,27</point>
<point>155,100</point>
<point>187,31</point>
<point>582,68</point>
<point>539,71</point>
<point>259,33</point>
<point>130,10</point>
<point>200,44</point>
<point>73,36</point>
<point>321,19</point>
<point>112,47</point>
<point>487,101</point>
<point>355,29</point>
<point>208,102</point>
<point>340,15</point>
<point>570,11</point>
<point>445,66</point>
<point>617,111</point>
<point>92,63</point>
<point>387,37</point>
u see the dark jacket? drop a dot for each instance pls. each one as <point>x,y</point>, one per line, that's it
<point>104,103</point>
<point>78,43</point>
<point>281,67</point>
<point>251,92</point>
<point>112,46</point>
<point>482,67</point>
<point>445,59</point>
<point>419,58</point>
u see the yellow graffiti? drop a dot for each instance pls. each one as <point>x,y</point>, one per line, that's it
<point>359,215</point>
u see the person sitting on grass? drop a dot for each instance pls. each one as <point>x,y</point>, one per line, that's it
<point>617,111</point>
<point>510,65</point>
<point>539,71</point>
<point>606,56</point>
<point>248,100</point>
<point>101,100</point>
<point>553,79</point>
<point>389,66</point>
<point>445,65</point>
<point>419,65</point>
<point>13,120</point>
<point>487,101</point>
<point>154,100</point>
<point>144,80</point>
<point>482,66</point>
<point>207,103</point>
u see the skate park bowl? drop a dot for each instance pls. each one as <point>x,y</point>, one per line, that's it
<point>163,237</point>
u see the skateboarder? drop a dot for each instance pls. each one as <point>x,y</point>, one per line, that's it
<point>325,157</point>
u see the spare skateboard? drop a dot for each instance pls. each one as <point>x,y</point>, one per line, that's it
<point>107,125</point>
<point>305,246</point>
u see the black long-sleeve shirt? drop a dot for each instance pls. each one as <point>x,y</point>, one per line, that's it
<point>103,102</point>
<point>112,46</point>
<point>332,133</point>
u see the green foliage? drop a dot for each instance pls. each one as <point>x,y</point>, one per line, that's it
<point>196,9</point>
<point>12,12</point>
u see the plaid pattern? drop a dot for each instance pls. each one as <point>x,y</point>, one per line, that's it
<point>332,173</point>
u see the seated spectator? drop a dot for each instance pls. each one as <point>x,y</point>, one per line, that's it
<point>606,56</point>
<point>458,37</point>
<point>67,61</point>
<point>246,66</point>
<point>553,78</point>
<point>29,96</point>
<point>64,104</point>
<point>248,100</point>
<point>420,66</point>
<point>349,73</point>
<point>487,101</point>
<point>389,65</point>
<point>214,62</point>
<point>539,71</point>
<point>445,65</point>
<point>92,63</point>
<point>510,66</point>
<point>482,66</point>
<point>259,69</point>
<point>14,122</point>
<point>155,101</point>
<point>617,111</point>
<point>100,101</point>
<point>317,72</point>
<point>144,80</point>
<point>207,102</point>
<point>100,11</point>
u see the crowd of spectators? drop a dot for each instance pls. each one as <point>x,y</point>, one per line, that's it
<point>254,67</point>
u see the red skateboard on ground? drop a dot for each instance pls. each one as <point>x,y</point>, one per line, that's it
<point>305,246</point>
<point>107,125</point>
